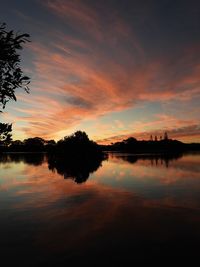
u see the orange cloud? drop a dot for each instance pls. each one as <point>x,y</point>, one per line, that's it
<point>83,77</point>
<point>183,130</point>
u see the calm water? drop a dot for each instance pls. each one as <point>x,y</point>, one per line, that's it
<point>127,208</point>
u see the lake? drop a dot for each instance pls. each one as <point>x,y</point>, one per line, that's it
<point>127,208</point>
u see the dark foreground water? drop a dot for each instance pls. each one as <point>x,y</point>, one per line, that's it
<point>127,210</point>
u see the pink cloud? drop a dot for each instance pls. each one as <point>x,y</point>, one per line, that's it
<point>83,78</point>
<point>184,130</point>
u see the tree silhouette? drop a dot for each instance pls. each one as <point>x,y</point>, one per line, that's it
<point>11,75</point>
<point>5,133</point>
<point>80,136</point>
<point>34,144</point>
<point>165,136</point>
<point>130,141</point>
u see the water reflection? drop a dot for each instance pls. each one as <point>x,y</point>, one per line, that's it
<point>74,168</point>
<point>34,159</point>
<point>176,185</point>
<point>155,159</point>
<point>124,213</point>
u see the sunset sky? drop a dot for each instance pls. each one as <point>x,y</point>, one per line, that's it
<point>112,68</point>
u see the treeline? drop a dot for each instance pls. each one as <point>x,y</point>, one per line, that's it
<point>166,145</point>
<point>78,144</point>
<point>35,144</point>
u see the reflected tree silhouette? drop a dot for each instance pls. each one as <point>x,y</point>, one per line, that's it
<point>75,168</point>
<point>155,159</point>
<point>34,159</point>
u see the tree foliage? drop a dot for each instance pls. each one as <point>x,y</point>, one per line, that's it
<point>78,145</point>
<point>11,74</point>
<point>5,133</point>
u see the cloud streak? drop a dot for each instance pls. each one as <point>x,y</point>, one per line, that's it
<point>98,64</point>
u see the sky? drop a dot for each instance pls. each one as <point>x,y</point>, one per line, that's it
<point>114,68</point>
